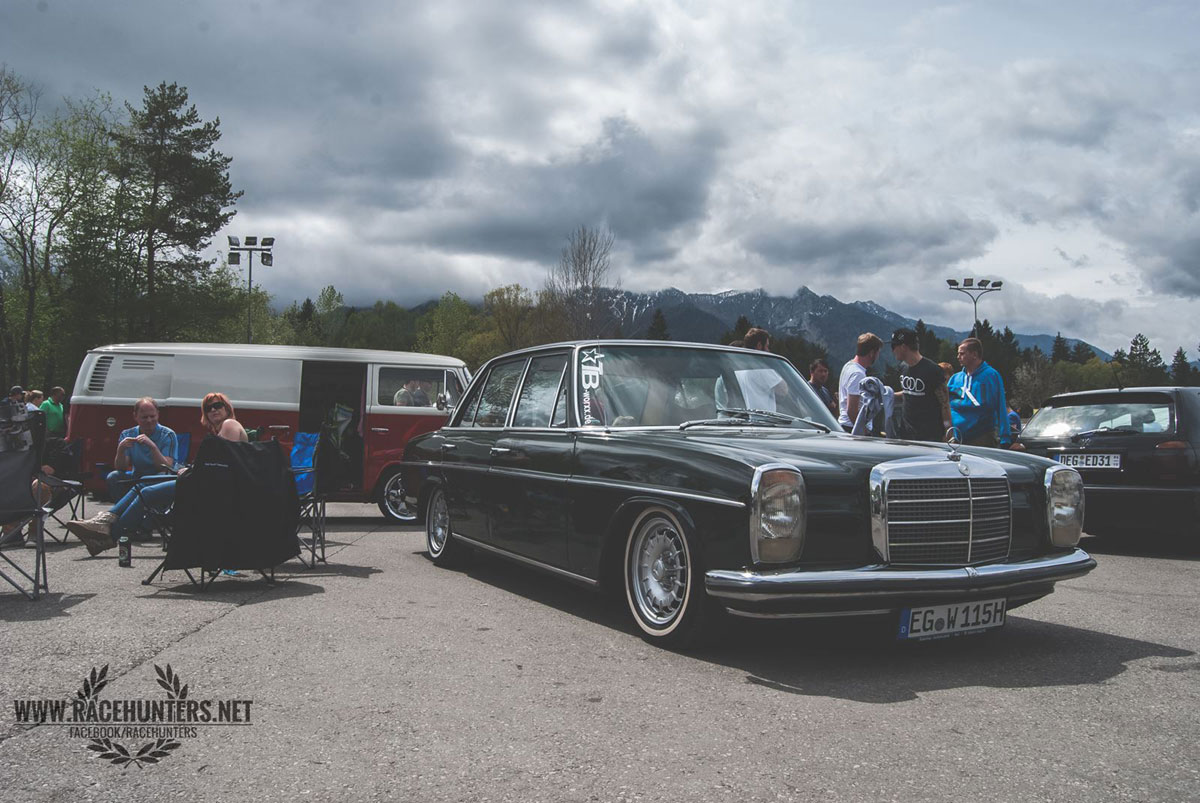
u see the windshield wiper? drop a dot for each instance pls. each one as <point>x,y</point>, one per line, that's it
<point>1104,431</point>
<point>741,415</point>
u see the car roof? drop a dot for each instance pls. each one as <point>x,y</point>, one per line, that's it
<point>1083,394</point>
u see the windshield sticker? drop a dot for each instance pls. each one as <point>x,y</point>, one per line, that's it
<point>591,368</point>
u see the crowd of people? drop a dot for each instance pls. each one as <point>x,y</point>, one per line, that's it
<point>934,402</point>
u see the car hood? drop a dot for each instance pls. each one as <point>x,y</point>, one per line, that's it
<point>825,453</point>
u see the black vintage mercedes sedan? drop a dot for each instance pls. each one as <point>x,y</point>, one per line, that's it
<point>697,480</point>
<point>1138,450</point>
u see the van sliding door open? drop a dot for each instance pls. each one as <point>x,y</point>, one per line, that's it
<point>332,401</point>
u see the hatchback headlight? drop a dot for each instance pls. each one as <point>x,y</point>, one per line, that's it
<point>1064,505</point>
<point>778,514</point>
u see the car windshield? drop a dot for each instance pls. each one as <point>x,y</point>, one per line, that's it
<point>1069,417</point>
<point>648,386</point>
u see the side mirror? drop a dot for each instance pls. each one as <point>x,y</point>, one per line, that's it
<point>443,403</point>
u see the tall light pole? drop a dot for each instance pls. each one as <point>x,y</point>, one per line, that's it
<point>264,257</point>
<point>974,288</point>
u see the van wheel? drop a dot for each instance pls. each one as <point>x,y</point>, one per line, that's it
<point>664,585</point>
<point>390,499</point>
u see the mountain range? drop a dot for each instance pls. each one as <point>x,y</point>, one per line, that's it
<point>834,324</point>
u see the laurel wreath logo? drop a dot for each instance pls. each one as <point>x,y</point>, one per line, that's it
<point>115,752</point>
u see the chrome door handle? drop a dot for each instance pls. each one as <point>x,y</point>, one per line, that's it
<point>278,426</point>
<point>379,429</point>
<point>448,446</point>
<point>500,450</point>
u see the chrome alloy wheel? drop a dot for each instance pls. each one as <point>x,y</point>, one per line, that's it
<point>437,526</point>
<point>658,564</point>
<point>393,499</point>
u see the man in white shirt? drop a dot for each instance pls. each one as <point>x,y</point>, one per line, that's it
<point>866,352</point>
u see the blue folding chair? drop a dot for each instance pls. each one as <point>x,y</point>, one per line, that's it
<point>305,461</point>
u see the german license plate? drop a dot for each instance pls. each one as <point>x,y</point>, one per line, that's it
<point>940,621</point>
<point>1090,460</point>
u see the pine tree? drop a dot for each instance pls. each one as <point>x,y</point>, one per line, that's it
<point>1182,372</point>
<point>1081,353</point>
<point>179,191</point>
<point>658,327</point>
<point>739,330</point>
<point>1060,352</point>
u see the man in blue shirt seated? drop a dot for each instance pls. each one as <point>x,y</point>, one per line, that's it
<point>144,450</point>
<point>977,403</point>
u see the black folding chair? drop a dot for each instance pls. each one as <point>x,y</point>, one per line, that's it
<point>22,433</point>
<point>66,483</point>
<point>310,487</point>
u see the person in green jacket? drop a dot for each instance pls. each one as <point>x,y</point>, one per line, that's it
<point>56,423</point>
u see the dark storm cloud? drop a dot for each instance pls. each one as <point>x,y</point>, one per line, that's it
<point>859,246</point>
<point>642,189</point>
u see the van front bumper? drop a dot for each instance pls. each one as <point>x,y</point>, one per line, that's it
<point>879,589</point>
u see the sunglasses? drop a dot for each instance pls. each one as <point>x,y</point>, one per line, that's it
<point>217,405</point>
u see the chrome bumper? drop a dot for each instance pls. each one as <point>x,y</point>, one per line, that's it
<point>879,588</point>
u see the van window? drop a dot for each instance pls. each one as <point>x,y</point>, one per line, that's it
<point>453,389</point>
<point>410,387</point>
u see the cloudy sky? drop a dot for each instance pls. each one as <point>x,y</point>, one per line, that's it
<point>865,149</point>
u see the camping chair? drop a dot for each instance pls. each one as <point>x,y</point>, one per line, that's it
<point>236,508</point>
<point>21,435</point>
<point>66,484</point>
<point>312,495</point>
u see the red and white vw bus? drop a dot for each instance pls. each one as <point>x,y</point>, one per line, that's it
<point>382,398</point>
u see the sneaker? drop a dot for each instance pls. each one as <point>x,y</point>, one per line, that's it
<point>95,533</point>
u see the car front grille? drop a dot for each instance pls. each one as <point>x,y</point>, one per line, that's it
<point>958,521</point>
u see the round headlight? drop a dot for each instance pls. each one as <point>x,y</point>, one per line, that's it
<point>1064,505</point>
<point>778,520</point>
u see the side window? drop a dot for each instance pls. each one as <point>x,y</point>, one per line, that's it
<point>536,404</point>
<point>498,394</point>
<point>560,408</point>
<point>453,389</point>
<point>467,417</point>
<point>409,387</point>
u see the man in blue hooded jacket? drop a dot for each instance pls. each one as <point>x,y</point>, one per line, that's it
<point>978,406</point>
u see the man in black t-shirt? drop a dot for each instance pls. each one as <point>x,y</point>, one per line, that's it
<point>926,415</point>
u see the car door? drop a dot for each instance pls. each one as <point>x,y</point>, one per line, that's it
<point>531,461</point>
<point>467,449</point>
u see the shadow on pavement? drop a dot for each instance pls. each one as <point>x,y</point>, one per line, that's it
<point>1144,545</point>
<point>16,608</point>
<point>248,589</point>
<point>335,570</point>
<point>860,659</point>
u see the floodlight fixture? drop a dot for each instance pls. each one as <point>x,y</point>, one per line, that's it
<point>996,285</point>
<point>266,259</point>
<point>234,242</point>
<point>251,240</point>
<point>974,288</point>
<point>966,282</point>
<point>235,258</point>
<point>267,242</point>
<point>952,282</point>
<point>982,283</point>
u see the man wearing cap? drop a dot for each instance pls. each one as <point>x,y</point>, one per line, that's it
<point>926,411</point>
<point>16,394</point>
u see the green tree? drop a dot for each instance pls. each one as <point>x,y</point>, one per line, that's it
<point>930,343</point>
<point>1145,364</point>
<point>1060,352</point>
<point>739,330</point>
<point>1182,372</point>
<point>179,192</point>
<point>1081,352</point>
<point>511,310</point>
<point>658,327</point>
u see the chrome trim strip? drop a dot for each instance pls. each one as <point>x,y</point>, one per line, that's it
<point>528,473</point>
<point>878,579</point>
<point>651,489</point>
<point>463,467</point>
<point>955,499</point>
<point>1141,489</point>
<point>813,615</point>
<point>504,553</point>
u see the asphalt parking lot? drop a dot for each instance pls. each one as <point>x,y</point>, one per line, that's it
<point>382,677</point>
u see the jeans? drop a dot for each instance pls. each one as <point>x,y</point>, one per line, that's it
<point>157,491</point>
<point>119,482</point>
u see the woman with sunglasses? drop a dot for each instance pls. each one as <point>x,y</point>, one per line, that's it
<point>101,531</point>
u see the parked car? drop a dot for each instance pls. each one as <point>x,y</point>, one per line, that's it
<point>698,478</point>
<point>1137,450</point>
<point>382,398</point>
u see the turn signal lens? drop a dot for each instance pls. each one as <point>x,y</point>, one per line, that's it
<point>1064,505</point>
<point>778,518</point>
<point>1172,445</point>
